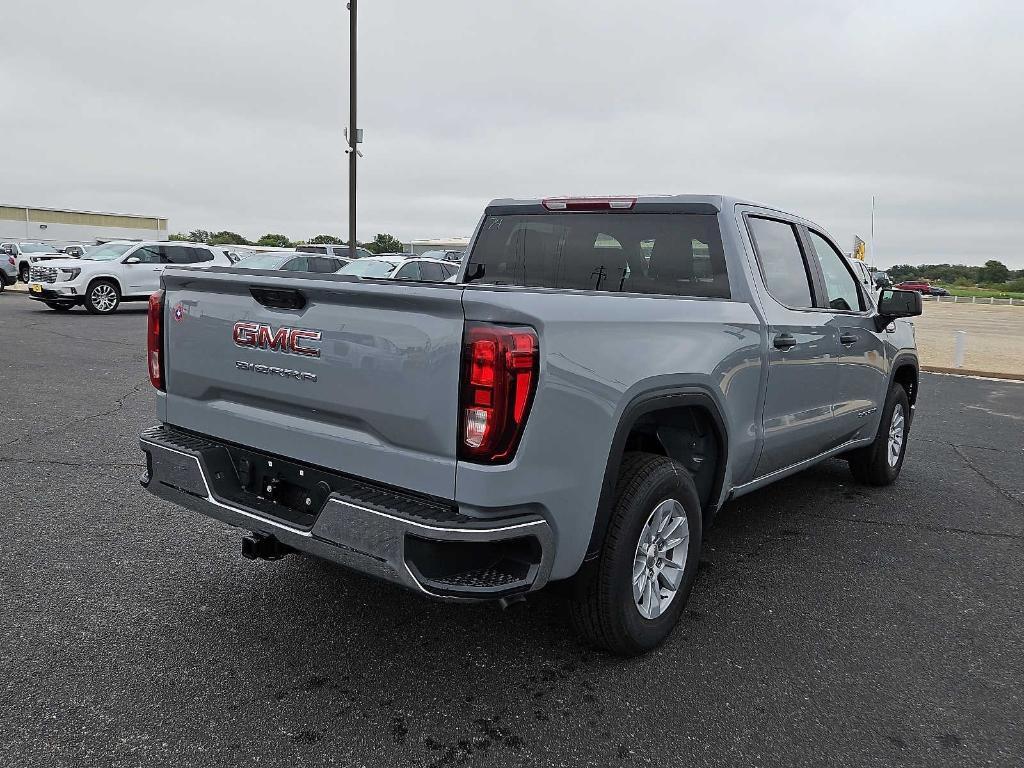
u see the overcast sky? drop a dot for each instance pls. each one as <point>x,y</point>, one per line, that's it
<point>228,114</point>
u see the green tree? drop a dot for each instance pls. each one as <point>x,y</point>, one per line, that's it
<point>993,272</point>
<point>272,240</point>
<point>384,243</point>
<point>326,240</point>
<point>225,237</point>
<point>178,236</point>
<point>199,236</point>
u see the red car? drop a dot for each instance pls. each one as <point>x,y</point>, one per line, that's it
<point>921,286</point>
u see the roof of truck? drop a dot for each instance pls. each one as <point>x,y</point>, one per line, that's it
<point>718,202</point>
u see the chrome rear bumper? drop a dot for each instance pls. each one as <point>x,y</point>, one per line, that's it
<point>442,554</point>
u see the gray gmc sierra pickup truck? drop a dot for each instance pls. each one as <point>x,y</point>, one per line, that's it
<point>605,375</point>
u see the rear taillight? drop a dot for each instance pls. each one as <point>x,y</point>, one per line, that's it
<point>589,203</point>
<point>155,340</point>
<point>10,260</point>
<point>499,376</point>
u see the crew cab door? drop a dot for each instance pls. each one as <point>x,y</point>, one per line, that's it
<point>803,372</point>
<point>863,377</point>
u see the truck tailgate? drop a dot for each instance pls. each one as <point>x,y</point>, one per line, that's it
<point>379,401</point>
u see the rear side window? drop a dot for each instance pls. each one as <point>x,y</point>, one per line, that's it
<point>782,263</point>
<point>432,272</point>
<point>179,254</point>
<point>676,254</point>
<point>200,254</point>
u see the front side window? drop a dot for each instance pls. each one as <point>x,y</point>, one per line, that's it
<point>839,281</point>
<point>676,254</point>
<point>148,254</point>
<point>782,263</point>
<point>300,264</point>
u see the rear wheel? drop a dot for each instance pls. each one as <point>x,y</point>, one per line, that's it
<point>60,306</point>
<point>634,597</point>
<point>102,297</point>
<point>880,463</point>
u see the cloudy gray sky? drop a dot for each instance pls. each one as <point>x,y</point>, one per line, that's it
<point>228,114</point>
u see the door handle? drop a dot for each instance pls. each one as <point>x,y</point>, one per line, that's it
<point>848,338</point>
<point>784,341</point>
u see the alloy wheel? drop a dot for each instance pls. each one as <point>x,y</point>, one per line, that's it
<point>897,428</point>
<point>660,558</point>
<point>104,297</point>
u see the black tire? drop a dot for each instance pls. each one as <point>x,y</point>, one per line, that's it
<point>604,611</point>
<point>99,300</point>
<point>872,465</point>
<point>60,306</point>
<point>23,273</point>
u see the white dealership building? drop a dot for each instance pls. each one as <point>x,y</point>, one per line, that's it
<point>61,226</point>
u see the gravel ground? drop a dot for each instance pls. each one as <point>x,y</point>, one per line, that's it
<point>995,336</point>
<point>830,624</point>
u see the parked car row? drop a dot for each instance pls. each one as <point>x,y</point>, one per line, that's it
<point>101,277</point>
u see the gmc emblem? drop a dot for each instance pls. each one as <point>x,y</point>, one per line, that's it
<point>262,336</point>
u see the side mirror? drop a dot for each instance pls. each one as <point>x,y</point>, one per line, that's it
<point>893,303</point>
<point>137,260</point>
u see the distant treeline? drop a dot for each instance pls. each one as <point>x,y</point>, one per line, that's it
<point>993,274</point>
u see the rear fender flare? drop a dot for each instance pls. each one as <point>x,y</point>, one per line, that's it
<point>669,397</point>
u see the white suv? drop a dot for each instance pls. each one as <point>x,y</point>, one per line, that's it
<point>109,274</point>
<point>27,254</point>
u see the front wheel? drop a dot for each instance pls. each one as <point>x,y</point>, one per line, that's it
<point>102,297</point>
<point>23,273</point>
<point>880,463</point>
<point>633,599</point>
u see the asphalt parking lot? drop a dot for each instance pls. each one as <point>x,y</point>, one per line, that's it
<point>830,624</point>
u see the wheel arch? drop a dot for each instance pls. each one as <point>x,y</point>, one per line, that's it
<point>906,373</point>
<point>105,276</point>
<point>667,408</point>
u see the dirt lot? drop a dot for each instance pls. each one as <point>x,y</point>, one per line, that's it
<point>995,336</point>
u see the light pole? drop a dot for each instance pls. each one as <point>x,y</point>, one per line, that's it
<point>353,133</point>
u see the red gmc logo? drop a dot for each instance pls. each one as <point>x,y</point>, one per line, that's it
<point>262,336</point>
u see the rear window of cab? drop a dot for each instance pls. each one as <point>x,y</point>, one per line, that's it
<point>674,254</point>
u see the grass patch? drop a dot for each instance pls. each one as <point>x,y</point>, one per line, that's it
<point>981,293</point>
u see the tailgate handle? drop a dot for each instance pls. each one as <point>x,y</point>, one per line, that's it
<point>279,298</point>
